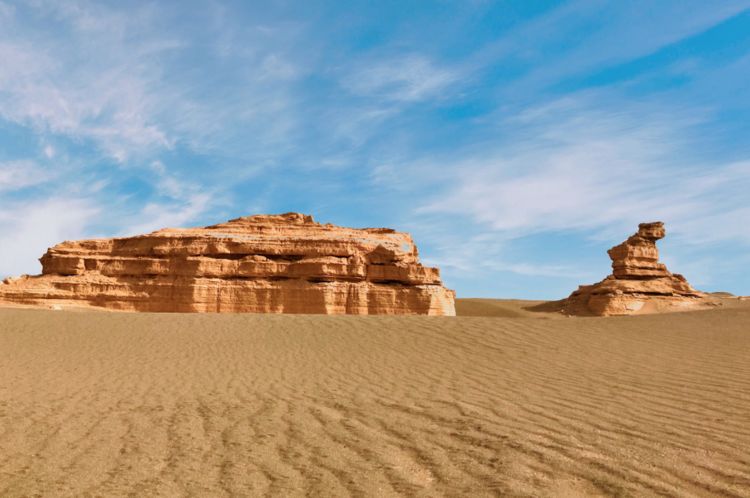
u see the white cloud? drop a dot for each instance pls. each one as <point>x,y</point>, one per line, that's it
<point>478,258</point>
<point>42,218</point>
<point>571,39</point>
<point>29,226</point>
<point>275,67</point>
<point>106,98</point>
<point>27,229</point>
<point>171,186</point>
<point>355,126</point>
<point>155,215</point>
<point>408,78</point>
<point>576,167</point>
<point>16,175</point>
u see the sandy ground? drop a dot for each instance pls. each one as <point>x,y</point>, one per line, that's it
<point>511,403</point>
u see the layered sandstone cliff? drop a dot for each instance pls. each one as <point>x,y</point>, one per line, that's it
<point>264,264</point>
<point>639,283</point>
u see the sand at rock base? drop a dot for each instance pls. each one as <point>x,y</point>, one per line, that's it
<point>516,404</point>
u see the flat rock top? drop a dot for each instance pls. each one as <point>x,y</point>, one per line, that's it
<point>293,223</point>
<point>298,232</point>
<point>651,231</point>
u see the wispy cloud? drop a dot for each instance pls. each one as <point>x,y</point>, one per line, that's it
<point>20,174</point>
<point>178,202</point>
<point>118,78</point>
<point>478,257</point>
<point>174,214</point>
<point>572,39</point>
<point>575,166</point>
<point>105,97</point>
<point>406,78</point>
<point>27,229</point>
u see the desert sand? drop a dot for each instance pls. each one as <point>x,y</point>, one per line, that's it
<point>508,403</point>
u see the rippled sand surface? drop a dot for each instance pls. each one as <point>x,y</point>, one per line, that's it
<point>516,404</point>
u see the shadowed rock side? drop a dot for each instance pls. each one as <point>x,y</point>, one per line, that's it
<point>639,283</point>
<point>265,264</point>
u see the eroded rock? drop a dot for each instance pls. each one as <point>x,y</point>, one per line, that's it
<point>265,264</point>
<point>639,283</point>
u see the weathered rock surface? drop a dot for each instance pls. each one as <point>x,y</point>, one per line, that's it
<point>639,283</point>
<point>264,264</point>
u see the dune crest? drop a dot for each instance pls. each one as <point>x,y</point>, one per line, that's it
<point>284,263</point>
<point>639,283</point>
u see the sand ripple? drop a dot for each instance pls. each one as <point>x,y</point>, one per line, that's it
<point>111,404</point>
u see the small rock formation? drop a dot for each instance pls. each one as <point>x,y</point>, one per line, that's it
<point>262,264</point>
<point>639,282</point>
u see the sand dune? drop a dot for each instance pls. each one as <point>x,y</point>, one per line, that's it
<point>114,404</point>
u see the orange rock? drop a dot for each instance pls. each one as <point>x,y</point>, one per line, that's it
<point>265,264</point>
<point>639,282</point>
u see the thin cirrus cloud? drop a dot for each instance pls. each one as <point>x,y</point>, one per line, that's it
<point>407,78</point>
<point>155,216</point>
<point>582,37</point>
<point>106,102</point>
<point>119,82</point>
<point>573,166</point>
<point>20,174</point>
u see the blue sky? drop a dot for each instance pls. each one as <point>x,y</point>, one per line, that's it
<point>516,140</point>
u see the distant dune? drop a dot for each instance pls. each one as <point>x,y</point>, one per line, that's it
<point>511,402</point>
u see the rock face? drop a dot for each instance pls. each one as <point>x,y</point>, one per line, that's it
<point>639,282</point>
<point>263,264</point>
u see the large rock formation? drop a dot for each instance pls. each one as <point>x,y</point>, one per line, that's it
<point>265,264</point>
<point>639,282</point>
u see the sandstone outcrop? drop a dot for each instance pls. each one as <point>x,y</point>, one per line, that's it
<point>263,264</point>
<point>639,283</point>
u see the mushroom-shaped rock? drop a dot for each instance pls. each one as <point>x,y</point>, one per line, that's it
<point>639,283</point>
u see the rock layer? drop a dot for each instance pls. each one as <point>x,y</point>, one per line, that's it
<point>639,283</point>
<point>265,264</point>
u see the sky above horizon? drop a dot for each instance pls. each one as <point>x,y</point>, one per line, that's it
<point>515,140</point>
